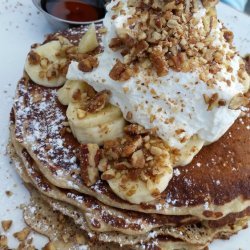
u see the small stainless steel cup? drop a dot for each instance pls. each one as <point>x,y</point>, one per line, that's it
<point>61,24</point>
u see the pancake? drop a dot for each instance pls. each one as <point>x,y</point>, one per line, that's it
<point>60,229</point>
<point>199,189</point>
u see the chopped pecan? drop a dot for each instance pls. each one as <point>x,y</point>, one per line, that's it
<point>141,47</point>
<point>120,72</point>
<point>131,146</point>
<point>238,101</point>
<point>22,235</point>
<point>135,129</point>
<point>228,35</point>
<point>108,175</point>
<point>3,242</point>
<point>6,224</point>
<point>98,102</point>
<point>116,43</point>
<point>88,64</point>
<point>138,159</point>
<point>33,58</point>
<point>159,63</point>
<point>247,61</point>
<point>89,156</point>
<point>49,246</point>
<point>112,149</point>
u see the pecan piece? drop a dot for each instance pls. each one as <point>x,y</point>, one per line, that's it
<point>89,156</point>
<point>120,72</point>
<point>33,58</point>
<point>159,63</point>
<point>6,224</point>
<point>116,44</point>
<point>131,146</point>
<point>135,129</point>
<point>238,101</point>
<point>98,102</point>
<point>88,64</point>
<point>138,159</point>
<point>22,235</point>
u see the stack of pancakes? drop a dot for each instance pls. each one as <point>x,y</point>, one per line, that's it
<point>205,200</point>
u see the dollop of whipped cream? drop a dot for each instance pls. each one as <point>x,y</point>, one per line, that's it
<point>179,105</point>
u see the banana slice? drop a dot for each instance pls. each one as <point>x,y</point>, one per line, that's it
<point>188,152</point>
<point>89,40</point>
<point>138,168</point>
<point>95,128</point>
<point>44,67</point>
<point>71,91</point>
<point>140,191</point>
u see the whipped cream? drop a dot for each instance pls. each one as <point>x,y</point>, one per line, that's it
<point>174,104</point>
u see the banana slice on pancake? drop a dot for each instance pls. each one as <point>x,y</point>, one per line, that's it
<point>137,168</point>
<point>97,127</point>
<point>73,91</point>
<point>44,65</point>
<point>92,119</point>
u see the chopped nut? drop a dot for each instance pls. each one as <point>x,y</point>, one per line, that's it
<point>131,146</point>
<point>138,159</point>
<point>155,150</point>
<point>103,165</point>
<point>33,58</point>
<point>89,156</point>
<point>211,101</point>
<point>129,116</point>
<point>8,193</point>
<point>44,62</point>
<point>159,63</point>
<point>116,43</point>
<point>22,235</point>
<point>52,72</point>
<point>108,175</point>
<point>120,72</point>
<point>3,241</point>
<point>229,36</point>
<point>88,64</point>
<point>238,101</point>
<point>49,246</point>
<point>122,165</point>
<point>98,102</point>
<point>6,224</point>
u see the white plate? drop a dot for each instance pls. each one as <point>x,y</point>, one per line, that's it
<point>20,26</point>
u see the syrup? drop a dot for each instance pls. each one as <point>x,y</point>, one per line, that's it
<point>73,10</point>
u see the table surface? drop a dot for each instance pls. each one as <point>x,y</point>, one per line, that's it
<point>22,25</point>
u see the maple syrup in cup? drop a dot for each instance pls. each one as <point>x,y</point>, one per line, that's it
<point>75,10</point>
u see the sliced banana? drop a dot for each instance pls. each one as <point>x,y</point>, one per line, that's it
<point>138,168</point>
<point>98,127</point>
<point>89,40</point>
<point>70,89</point>
<point>139,191</point>
<point>44,67</point>
<point>188,152</point>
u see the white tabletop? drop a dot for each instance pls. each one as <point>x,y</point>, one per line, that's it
<point>22,25</point>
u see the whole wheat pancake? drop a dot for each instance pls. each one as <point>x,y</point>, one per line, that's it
<point>215,184</point>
